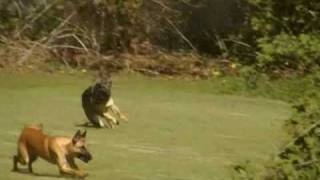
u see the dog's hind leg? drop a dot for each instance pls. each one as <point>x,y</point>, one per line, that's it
<point>32,159</point>
<point>30,167</point>
<point>15,163</point>
<point>22,157</point>
<point>93,118</point>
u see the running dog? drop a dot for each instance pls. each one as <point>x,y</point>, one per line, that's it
<point>58,150</point>
<point>97,104</point>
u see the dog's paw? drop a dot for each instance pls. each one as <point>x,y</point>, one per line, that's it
<point>82,174</point>
<point>109,126</point>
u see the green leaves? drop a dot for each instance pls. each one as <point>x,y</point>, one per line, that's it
<point>288,52</point>
<point>271,17</point>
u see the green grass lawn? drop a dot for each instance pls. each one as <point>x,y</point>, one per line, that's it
<point>177,130</point>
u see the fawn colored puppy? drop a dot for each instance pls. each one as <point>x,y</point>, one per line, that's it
<point>58,150</point>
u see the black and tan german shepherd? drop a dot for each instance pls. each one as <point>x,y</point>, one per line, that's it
<point>97,103</point>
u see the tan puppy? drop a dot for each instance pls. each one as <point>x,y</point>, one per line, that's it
<point>55,149</point>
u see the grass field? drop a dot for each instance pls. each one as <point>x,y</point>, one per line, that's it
<point>177,130</point>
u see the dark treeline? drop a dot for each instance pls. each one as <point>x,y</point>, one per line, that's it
<point>273,36</point>
<point>168,24</point>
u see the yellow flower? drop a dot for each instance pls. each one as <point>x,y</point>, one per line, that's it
<point>216,73</point>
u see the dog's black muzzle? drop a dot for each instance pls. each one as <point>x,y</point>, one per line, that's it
<point>86,157</point>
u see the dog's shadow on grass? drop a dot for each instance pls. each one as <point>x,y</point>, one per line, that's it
<point>88,125</point>
<point>26,172</point>
<point>56,176</point>
<point>50,175</point>
<point>46,175</point>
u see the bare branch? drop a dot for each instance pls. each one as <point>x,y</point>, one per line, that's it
<point>55,31</point>
<point>163,5</point>
<point>66,46</point>
<point>181,34</point>
<point>36,17</point>
<point>79,40</point>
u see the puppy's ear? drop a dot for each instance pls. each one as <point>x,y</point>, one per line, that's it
<point>76,137</point>
<point>84,134</point>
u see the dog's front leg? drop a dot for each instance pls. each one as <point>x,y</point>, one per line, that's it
<point>72,163</point>
<point>115,109</point>
<point>110,119</point>
<point>65,168</point>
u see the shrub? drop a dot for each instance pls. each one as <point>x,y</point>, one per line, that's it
<point>289,53</point>
<point>270,17</point>
<point>279,28</point>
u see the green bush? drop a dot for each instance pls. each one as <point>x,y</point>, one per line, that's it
<point>283,32</point>
<point>270,17</point>
<point>290,53</point>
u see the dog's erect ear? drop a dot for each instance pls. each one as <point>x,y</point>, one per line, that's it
<point>84,133</point>
<point>76,137</point>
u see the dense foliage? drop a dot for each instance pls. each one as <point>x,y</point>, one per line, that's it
<point>287,53</point>
<point>284,34</point>
<point>269,17</point>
